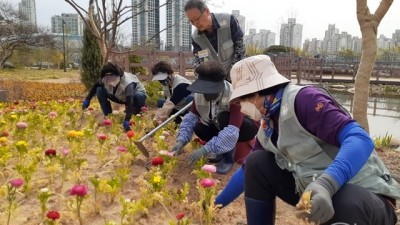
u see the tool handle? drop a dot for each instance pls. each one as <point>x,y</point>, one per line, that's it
<point>166,121</point>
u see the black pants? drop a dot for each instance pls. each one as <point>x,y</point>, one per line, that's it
<point>248,129</point>
<point>353,204</point>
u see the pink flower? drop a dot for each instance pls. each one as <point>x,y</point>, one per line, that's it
<point>102,137</point>
<point>207,182</point>
<point>50,152</point>
<point>79,190</point>
<point>166,153</point>
<point>53,215</point>
<point>22,125</point>
<point>209,168</point>
<point>52,115</point>
<point>122,149</point>
<point>65,151</point>
<point>107,122</point>
<point>17,182</point>
<point>144,109</point>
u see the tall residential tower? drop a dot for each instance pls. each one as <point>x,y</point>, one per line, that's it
<point>179,28</point>
<point>28,9</point>
<point>146,23</point>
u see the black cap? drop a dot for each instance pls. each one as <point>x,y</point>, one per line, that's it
<point>211,78</point>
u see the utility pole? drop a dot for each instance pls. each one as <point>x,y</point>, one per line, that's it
<point>63,36</point>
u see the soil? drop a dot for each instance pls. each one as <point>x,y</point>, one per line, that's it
<point>28,211</point>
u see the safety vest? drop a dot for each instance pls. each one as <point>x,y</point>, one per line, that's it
<point>126,79</point>
<point>176,80</point>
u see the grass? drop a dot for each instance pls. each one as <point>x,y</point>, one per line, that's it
<point>36,74</point>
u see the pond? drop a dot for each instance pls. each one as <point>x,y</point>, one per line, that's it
<point>383,113</point>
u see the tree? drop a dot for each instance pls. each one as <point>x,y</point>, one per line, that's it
<point>91,59</point>
<point>15,32</point>
<point>110,15</point>
<point>253,49</point>
<point>369,24</point>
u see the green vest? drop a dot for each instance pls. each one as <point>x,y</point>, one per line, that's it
<point>176,80</point>
<point>307,156</point>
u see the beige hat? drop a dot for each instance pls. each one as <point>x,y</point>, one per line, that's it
<point>254,74</point>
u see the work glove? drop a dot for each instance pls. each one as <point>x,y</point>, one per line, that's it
<point>126,126</point>
<point>196,155</point>
<point>321,191</point>
<point>85,104</point>
<point>178,147</point>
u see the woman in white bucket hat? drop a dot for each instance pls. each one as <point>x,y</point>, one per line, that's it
<point>309,144</point>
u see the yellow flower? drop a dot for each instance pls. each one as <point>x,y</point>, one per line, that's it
<point>79,133</point>
<point>71,133</point>
<point>13,117</point>
<point>156,179</point>
<point>3,122</point>
<point>22,144</point>
<point>3,141</point>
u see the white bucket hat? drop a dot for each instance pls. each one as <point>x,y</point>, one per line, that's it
<point>254,74</point>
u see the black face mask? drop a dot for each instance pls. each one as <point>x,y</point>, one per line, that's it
<point>210,97</point>
<point>165,82</point>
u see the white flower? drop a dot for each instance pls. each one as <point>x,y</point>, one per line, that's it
<point>44,190</point>
<point>161,137</point>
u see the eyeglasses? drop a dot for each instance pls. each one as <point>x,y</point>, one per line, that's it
<point>198,18</point>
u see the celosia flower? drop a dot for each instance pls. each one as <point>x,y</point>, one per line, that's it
<point>180,215</point>
<point>122,149</point>
<point>157,161</point>
<point>130,134</point>
<point>22,125</point>
<point>107,122</point>
<point>16,182</point>
<point>53,215</point>
<point>79,190</point>
<point>50,152</point>
<point>207,182</point>
<point>209,168</point>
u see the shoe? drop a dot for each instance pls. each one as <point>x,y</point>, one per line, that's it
<point>226,164</point>
<point>214,158</point>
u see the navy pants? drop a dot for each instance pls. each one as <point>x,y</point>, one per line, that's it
<point>139,100</point>
<point>353,204</point>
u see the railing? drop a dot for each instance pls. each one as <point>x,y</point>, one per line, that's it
<point>316,70</point>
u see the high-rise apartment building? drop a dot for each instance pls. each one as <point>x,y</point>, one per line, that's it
<point>261,40</point>
<point>28,9</point>
<point>73,24</point>
<point>146,23</point>
<point>179,28</point>
<point>291,34</point>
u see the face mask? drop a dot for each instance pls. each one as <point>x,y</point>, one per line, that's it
<point>115,82</point>
<point>165,82</point>
<point>210,97</point>
<point>250,110</point>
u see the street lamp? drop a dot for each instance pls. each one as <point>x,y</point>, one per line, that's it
<point>63,36</point>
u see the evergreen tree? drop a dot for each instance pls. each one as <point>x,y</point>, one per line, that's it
<point>91,59</point>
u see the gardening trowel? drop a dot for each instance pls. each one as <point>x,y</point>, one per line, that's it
<point>139,143</point>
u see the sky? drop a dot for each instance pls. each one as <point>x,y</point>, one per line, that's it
<point>314,15</point>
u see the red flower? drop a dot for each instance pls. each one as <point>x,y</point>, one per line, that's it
<point>5,134</point>
<point>53,215</point>
<point>102,137</point>
<point>157,161</point>
<point>50,152</point>
<point>79,190</point>
<point>180,215</point>
<point>130,134</point>
<point>17,182</point>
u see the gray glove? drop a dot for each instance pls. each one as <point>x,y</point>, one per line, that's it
<point>322,191</point>
<point>196,155</point>
<point>178,147</point>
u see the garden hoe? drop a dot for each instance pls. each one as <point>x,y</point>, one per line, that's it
<point>139,143</point>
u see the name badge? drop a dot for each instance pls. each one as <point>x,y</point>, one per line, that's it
<point>203,53</point>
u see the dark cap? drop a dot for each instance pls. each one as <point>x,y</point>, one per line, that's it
<point>111,68</point>
<point>211,78</point>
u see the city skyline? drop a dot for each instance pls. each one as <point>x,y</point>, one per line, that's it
<point>309,13</point>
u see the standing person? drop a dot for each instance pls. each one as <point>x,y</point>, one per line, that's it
<point>214,120</point>
<point>118,86</point>
<point>175,92</point>
<point>217,36</point>
<point>309,144</point>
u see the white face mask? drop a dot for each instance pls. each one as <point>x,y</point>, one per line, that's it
<point>250,110</point>
<point>113,81</point>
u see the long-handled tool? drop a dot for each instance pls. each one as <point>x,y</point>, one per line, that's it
<point>139,143</point>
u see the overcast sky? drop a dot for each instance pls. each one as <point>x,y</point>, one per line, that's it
<point>314,15</point>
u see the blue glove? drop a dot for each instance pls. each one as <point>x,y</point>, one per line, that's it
<point>196,155</point>
<point>85,104</point>
<point>126,126</point>
<point>232,190</point>
<point>322,191</point>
